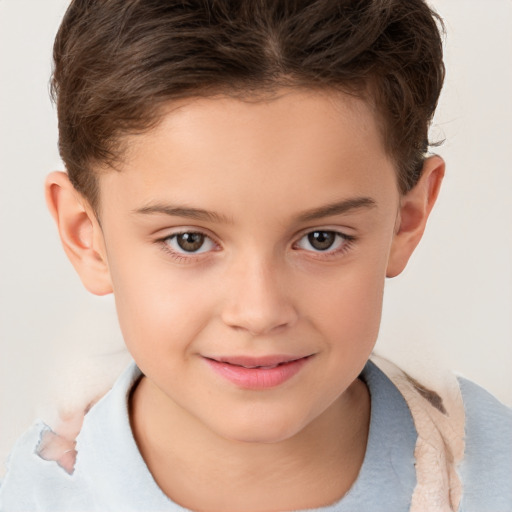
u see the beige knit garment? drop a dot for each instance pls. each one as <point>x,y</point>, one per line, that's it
<point>439,418</point>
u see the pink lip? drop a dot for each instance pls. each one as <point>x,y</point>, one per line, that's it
<point>257,372</point>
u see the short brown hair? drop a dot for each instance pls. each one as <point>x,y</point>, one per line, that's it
<point>116,62</point>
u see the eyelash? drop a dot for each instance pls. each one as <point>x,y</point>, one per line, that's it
<point>184,257</point>
<point>346,241</point>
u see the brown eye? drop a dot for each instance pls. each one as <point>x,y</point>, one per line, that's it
<point>190,242</point>
<point>322,240</point>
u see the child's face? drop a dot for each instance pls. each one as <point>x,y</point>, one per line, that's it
<point>251,234</point>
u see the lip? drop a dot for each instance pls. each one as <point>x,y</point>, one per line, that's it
<point>257,372</point>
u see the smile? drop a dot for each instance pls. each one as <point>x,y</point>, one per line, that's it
<point>257,373</point>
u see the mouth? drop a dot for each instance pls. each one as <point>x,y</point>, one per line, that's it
<point>258,372</point>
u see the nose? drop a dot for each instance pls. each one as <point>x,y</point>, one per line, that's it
<point>258,298</point>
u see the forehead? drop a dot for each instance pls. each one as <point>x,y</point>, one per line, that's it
<point>294,144</point>
<point>280,116</point>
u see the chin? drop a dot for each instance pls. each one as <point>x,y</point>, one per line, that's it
<point>261,429</point>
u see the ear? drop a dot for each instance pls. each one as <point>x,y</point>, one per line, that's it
<point>415,207</point>
<point>80,233</point>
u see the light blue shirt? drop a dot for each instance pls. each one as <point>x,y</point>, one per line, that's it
<point>110,474</point>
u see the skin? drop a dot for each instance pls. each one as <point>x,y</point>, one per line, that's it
<point>267,173</point>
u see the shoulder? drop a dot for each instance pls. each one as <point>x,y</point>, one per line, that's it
<point>44,470</point>
<point>487,419</point>
<point>107,474</point>
<point>486,469</point>
<point>33,483</point>
<point>458,421</point>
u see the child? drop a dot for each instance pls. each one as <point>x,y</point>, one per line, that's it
<point>243,176</point>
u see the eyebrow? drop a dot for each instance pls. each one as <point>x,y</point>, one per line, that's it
<point>328,210</point>
<point>338,208</point>
<point>183,211</point>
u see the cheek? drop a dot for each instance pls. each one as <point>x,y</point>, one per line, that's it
<point>158,308</point>
<point>347,305</point>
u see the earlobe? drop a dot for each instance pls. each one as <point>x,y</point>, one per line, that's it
<point>415,208</point>
<point>80,233</point>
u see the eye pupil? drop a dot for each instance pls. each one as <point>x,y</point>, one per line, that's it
<point>321,240</point>
<point>190,242</point>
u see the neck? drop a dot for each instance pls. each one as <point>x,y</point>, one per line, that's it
<point>200,470</point>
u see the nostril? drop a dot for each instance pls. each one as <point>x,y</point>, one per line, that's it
<point>259,321</point>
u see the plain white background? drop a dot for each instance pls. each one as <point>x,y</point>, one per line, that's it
<point>452,308</point>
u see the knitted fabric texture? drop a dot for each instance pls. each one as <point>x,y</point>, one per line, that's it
<point>439,418</point>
